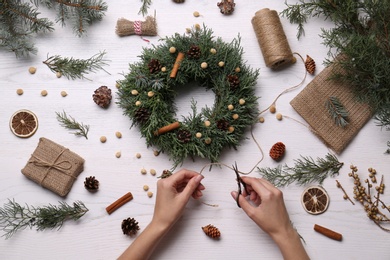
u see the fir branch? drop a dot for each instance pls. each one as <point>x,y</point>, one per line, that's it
<point>76,68</point>
<point>70,123</point>
<point>305,171</point>
<point>144,7</point>
<point>14,217</point>
<point>337,111</point>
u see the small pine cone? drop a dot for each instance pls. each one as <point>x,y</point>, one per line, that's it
<point>211,231</point>
<point>102,96</point>
<point>154,66</point>
<point>184,136</point>
<point>165,174</point>
<point>234,81</point>
<point>277,151</point>
<point>142,115</point>
<point>226,6</point>
<point>194,52</point>
<point>223,124</point>
<point>130,226</point>
<point>310,65</point>
<point>91,184</point>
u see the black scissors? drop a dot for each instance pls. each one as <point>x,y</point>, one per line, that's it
<point>239,183</point>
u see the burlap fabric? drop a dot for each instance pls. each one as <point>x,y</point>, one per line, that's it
<point>125,27</point>
<point>310,104</point>
<point>53,167</point>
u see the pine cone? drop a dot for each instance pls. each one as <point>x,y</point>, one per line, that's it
<point>184,136</point>
<point>194,52</point>
<point>226,6</point>
<point>102,96</point>
<point>211,231</point>
<point>154,66</point>
<point>234,81</point>
<point>142,115</point>
<point>165,174</point>
<point>91,184</point>
<point>130,226</point>
<point>310,65</point>
<point>277,151</point>
<point>223,124</point>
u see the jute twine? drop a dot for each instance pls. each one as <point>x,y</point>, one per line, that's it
<point>310,104</point>
<point>53,167</point>
<point>125,27</point>
<point>271,38</point>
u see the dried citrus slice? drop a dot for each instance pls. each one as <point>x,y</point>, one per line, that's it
<point>23,123</point>
<point>315,200</point>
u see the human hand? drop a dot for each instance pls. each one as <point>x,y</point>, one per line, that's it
<point>265,206</point>
<point>173,194</point>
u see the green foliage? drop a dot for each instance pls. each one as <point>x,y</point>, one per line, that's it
<point>20,21</point>
<point>306,170</point>
<point>383,118</point>
<point>361,34</point>
<point>337,111</point>
<point>159,110</point>
<point>14,217</point>
<point>144,7</point>
<point>70,123</point>
<point>76,68</point>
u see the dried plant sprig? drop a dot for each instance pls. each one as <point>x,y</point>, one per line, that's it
<point>346,197</point>
<point>337,111</point>
<point>76,68</point>
<point>306,170</point>
<point>70,123</point>
<point>15,217</point>
<point>144,7</point>
<point>369,201</point>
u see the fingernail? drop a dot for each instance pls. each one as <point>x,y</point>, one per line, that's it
<point>199,178</point>
<point>234,194</point>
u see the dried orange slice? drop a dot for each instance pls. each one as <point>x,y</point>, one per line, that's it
<point>315,200</point>
<point>23,123</point>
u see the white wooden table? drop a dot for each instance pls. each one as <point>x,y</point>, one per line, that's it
<point>98,235</point>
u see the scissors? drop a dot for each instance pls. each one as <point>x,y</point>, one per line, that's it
<point>239,183</point>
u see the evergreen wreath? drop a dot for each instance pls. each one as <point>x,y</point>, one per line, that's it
<point>147,95</point>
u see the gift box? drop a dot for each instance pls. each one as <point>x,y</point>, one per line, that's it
<point>53,166</point>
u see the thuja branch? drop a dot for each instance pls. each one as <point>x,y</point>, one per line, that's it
<point>306,170</point>
<point>144,7</point>
<point>15,217</point>
<point>70,123</point>
<point>76,68</point>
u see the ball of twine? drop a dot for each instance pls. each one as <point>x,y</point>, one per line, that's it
<point>271,38</point>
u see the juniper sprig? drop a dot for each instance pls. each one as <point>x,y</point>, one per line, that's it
<point>70,123</point>
<point>337,111</point>
<point>15,217</point>
<point>306,170</point>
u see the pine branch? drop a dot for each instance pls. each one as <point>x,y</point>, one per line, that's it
<point>70,123</point>
<point>14,217</point>
<point>76,68</point>
<point>145,6</point>
<point>337,111</point>
<point>305,171</point>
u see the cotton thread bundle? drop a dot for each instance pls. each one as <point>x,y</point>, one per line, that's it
<point>271,38</point>
<point>125,27</point>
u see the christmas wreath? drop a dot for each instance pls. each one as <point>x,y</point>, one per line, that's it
<point>147,93</point>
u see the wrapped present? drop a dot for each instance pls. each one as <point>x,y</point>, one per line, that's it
<point>53,166</point>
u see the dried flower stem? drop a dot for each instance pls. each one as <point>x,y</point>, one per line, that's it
<point>345,193</point>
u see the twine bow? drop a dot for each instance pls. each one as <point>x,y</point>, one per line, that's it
<point>61,166</point>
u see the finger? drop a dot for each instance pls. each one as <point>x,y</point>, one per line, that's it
<point>192,186</point>
<point>258,186</point>
<point>182,175</point>
<point>244,204</point>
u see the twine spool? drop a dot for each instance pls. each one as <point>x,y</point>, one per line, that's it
<point>272,40</point>
<point>125,27</point>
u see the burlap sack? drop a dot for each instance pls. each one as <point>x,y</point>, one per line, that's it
<point>53,167</point>
<point>310,104</point>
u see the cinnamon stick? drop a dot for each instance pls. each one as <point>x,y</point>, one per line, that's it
<point>167,128</point>
<point>119,202</point>
<point>179,58</point>
<point>327,232</point>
